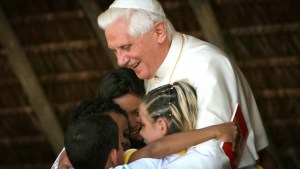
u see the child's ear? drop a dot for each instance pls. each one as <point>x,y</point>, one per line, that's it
<point>163,126</point>
<point>113,157</point>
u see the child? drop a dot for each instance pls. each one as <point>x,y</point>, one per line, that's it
<point>166,110</point>
<point>102,107</point>
<point>93,142</point>
<point>124,88</point>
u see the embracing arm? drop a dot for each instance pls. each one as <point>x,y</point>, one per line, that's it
<point>176,142</point>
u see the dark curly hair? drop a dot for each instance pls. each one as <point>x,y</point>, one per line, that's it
<point>95,106</point>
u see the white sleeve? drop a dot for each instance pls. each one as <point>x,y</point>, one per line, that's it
<point>209,158</point>
<point>125,166</point>
<point>153,163</point>
<point>55,164</point>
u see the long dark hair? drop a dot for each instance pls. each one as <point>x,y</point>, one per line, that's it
<point>120,82</point>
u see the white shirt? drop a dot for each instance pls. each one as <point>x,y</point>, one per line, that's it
<point>55,164</point>
<point>201,159</point>
<point>149,163</point>
<point>220,85</point>
<point>144,163</point>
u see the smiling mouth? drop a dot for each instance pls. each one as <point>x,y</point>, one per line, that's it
<point>135,65</point>
<point>135,131</point>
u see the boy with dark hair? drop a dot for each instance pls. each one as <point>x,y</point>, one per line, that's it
<point>82,150</point>
<point>85,137</point>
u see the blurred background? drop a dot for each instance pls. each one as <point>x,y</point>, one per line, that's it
<point>53,55</point>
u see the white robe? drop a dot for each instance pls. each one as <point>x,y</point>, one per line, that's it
<point>220,85</point>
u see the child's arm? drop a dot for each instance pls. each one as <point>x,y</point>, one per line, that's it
<point>176,142</point>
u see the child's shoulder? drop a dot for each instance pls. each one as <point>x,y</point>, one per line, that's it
<point>127,155</point>
<point>125,166</point>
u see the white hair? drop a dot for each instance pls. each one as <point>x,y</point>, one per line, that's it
<point>140,21</point>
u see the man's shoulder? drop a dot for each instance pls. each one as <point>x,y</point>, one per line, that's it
<point>196,46</point>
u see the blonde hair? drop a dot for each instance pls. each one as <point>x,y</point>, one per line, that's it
<point>176,102</point>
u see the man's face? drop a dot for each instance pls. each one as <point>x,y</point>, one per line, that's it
<point>140,54</point>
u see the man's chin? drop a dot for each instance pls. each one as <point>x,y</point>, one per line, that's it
<point>140,75</point>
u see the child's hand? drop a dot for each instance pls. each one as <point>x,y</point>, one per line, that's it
<point>227,132</point>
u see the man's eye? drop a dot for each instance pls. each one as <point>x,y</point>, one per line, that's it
<point>126,47</point>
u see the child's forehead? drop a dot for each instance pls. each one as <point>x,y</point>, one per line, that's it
<point>117,116</point>
<point>142,108</point>
<point>145,118</point>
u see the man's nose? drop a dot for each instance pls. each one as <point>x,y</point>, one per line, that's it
<point>122,58</point>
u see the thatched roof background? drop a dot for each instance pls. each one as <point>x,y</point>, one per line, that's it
<point>53,55</point>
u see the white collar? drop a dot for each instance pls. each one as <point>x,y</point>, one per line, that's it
<point>172,57</point>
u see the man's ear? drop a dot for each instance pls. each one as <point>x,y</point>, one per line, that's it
<point>163,126</point>
<point>160,31</point>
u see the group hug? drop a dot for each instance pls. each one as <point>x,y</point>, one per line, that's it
<point>169,104</point>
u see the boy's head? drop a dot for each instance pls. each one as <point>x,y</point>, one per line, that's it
<point>105,106</point>
<point>92,139</point>
<point>93,142</point>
